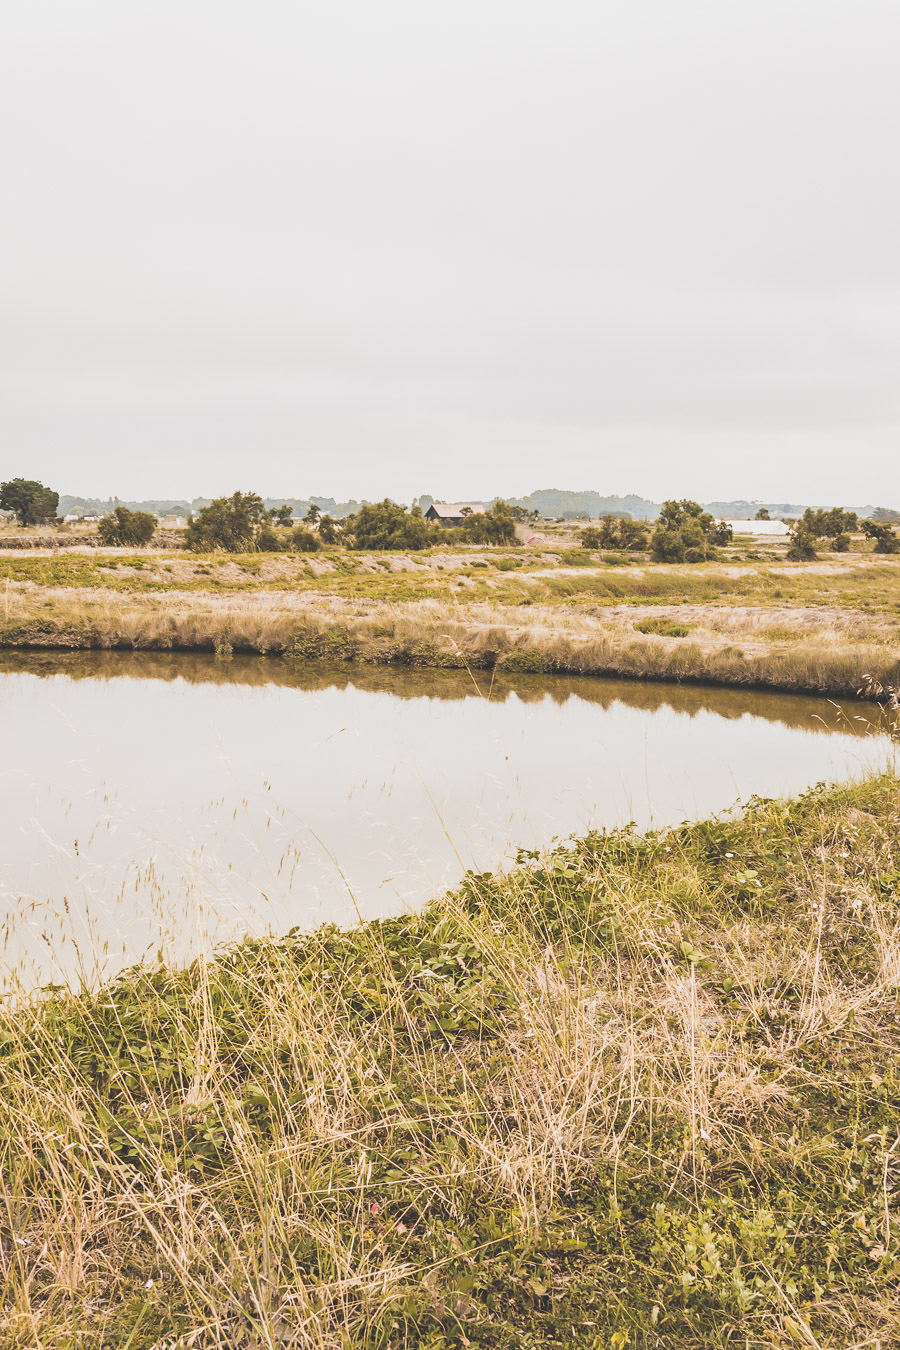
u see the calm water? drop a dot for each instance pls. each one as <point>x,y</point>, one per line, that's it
<point>166,802</point>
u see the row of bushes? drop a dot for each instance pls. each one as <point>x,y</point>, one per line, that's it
<point>241,524</point>
<point>684,532</point>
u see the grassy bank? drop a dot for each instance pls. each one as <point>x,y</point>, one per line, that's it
<point>830,627</point>
<point>640,1092</point>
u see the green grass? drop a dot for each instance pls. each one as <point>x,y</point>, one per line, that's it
<point>515,575</point>
<point>643,1092</point>
<point>663,628</point>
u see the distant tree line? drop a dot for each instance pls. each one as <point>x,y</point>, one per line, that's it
<point>683,532</point>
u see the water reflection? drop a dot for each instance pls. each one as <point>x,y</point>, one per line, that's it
<point>792,710</point>
<point>156,801</point>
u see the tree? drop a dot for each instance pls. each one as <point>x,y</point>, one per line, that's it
<point>282,515</point>
<point>33,503</point>
<point>841,543</point>
<point>682,532</point>
<point>885,539</point>
<point>720,533</point>
<point>590,538</point>
<point>633,535</point>
<point>673,515</point>
<point>129,529</point>
<point>328,530</point>
<point>762,514</point>
<point>826,524</point>
<point>312,514</point>
<point>228,523</point>
<point>608,533</point>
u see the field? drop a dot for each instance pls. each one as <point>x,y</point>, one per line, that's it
<point>642,1091</point>
<point>830,626</point>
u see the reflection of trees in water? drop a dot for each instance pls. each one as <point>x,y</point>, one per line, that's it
<point>791,710</point>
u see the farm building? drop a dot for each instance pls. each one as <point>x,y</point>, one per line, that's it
<point>759,529</point>
<point>453,513</point>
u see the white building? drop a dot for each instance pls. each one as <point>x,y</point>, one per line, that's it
<point>758,529</point>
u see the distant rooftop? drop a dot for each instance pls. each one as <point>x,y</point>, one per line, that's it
<point>453,510</point>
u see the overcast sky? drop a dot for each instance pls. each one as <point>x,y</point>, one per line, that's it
<point>369,247</point>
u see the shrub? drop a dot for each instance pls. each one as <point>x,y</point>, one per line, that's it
<point>682,532</point>
<point>667,546</point>
<point>617,532</point>
<point>495,526</point>
<point>229,523</point>
<point>269,541</point>
<point>803,546</point>
<point>382,525</point>
<point>304,541</point>
<point>590,538</point>
<point>885,539</point>
<point>662,627</point>
<point>128,529</point>
<point>840,543</point>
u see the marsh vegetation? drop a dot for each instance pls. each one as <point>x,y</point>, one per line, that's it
<point>640,1091</point>
<point>829,626</point>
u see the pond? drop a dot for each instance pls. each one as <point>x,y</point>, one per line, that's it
<point>163,803</point>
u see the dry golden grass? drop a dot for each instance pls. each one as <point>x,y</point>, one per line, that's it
<point>831,627</point>
<point>829,651</point>
<point>638,1092</point>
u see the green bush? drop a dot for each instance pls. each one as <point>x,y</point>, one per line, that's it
<point>803,546</point>
<point>270,541</point>
<point>304,541</point>
<point>667,546</point>
<point>384,525</point>
<point>662,627</point>
<point>885,539</point>
<point>494,526</point>
<point>229,523</point>
<point>127,529</point>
